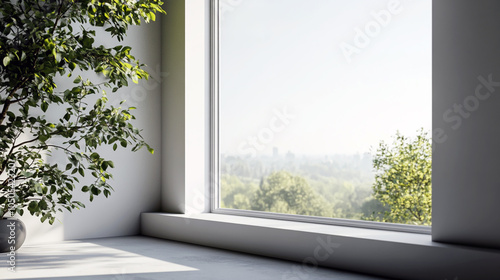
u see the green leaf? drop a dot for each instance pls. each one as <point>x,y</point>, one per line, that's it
<point>67,116</point>
<point>106,193</point>
<point>43,138</point>
<point>94,156</point>
<point>26,174</point>
<point>33,206</point>
<point>73,160</point>
<point>44,106</point>
<point>6,60</point>
<point>11,114</point>
<point>42,204</point>
<point>104,165</point>
<point>95,191</point>
<point>44,217</point>
<point>38,189</point>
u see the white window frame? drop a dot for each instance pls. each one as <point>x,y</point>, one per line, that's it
<point>215,159</point>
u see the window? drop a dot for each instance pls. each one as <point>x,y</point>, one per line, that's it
<point>465,162</point>
<point>307,90</point>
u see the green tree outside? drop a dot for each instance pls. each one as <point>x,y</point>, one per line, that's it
<point>237,193</point>
<point>403,180</point>
<point>396,188</point>
<point>282,192</point>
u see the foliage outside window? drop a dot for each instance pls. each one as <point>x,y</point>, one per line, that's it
<point>401,192</point>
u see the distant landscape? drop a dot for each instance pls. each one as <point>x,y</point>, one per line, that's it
<point>393,184</point>
<point>338,186</point>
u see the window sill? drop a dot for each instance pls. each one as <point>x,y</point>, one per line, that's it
<point>379,252</point>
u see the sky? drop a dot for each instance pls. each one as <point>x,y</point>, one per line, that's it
<point>297,74</point>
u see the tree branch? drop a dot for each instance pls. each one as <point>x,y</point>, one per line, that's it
<point>4,164</point>
<point>8,100</point>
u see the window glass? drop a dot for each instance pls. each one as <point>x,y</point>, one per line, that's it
<point>325,108</point>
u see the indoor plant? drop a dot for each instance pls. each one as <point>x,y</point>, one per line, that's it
<point>41,42</point>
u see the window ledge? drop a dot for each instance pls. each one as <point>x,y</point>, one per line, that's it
<point>379,252</point>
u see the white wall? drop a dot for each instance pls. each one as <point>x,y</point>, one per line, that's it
<point>173,116</point>
<point>466,170</point>
<point>137,176</point>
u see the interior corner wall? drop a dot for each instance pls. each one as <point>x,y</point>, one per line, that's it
<point>466,113</point>
<point>185,103</point>
<point>136,175</point>
<point>173,102</point>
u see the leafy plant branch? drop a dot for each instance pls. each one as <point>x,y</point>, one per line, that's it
<point>39,44</point>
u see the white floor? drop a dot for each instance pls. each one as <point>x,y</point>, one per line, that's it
<point>138,257</point>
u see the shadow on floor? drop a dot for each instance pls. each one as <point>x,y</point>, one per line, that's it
<point>139,257</point>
